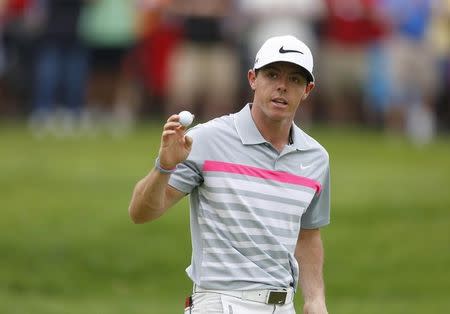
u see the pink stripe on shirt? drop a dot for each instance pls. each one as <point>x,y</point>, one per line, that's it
<point>280,176</point>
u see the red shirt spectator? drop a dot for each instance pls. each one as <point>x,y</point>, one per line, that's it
<point>353,22</point>
<point>16,7</point>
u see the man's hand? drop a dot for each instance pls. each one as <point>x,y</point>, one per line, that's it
<point>315,307</point>
<point>175,145</point>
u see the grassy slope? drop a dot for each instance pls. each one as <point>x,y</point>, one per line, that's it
<point>67,245</point>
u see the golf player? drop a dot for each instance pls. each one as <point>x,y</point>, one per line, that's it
<point>259,192</point>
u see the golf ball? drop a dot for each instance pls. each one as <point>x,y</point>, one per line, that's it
<point>186,118</point>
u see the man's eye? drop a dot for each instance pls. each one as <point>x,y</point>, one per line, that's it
<point>296,80</point>
<point>272,75</point>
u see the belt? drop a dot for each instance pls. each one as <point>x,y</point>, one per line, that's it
<point>278,297</point>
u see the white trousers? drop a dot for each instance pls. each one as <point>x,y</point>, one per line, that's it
<point>216,303</point>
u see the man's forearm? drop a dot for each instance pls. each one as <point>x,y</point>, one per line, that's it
<point>148,200</point>
<point>311,273</point>
<point>152,196</point>
<point>310,256</point>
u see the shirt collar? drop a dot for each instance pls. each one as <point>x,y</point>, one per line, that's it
<point>250,135</point>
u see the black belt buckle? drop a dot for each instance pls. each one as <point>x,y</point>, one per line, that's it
<point>277,297</point>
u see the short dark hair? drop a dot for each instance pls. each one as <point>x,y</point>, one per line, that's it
<point>303,72</point>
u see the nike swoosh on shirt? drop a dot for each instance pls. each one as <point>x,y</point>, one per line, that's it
<point>282,50</point>
<point>305,167</point>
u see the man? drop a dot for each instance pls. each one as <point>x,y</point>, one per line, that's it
<point>259,192</point>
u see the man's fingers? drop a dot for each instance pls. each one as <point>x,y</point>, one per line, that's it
<point>173,118</point>
<point>173,130</point>
<point>171,125</point>
<point>175,125</point>
<point>168,133</point>
<point>176,135</point>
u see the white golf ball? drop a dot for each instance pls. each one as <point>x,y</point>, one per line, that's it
<point>186,118</point>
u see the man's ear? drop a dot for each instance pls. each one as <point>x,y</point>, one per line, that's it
<point>308,90</point>
<point>251,76</point>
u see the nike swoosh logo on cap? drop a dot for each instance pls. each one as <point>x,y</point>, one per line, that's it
<point>282,50</point>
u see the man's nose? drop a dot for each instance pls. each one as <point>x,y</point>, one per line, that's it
<point>282,84</point>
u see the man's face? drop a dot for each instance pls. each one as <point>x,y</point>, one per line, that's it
<point>279,88</point>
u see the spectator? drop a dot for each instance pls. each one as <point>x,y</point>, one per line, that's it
<point>377,85</point>
<point>158,34</point>
<point>109,29</point>
<point>349,30</point>
<point>440,30</point>
<point>205,57</point>
<point>61,58</point>
<point>414,78</point>
<point>14,56</point>
<point>3,8</point>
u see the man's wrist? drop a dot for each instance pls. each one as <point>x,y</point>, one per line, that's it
<point>314,299</point>
<point>315,305</point>
<point>163,169</point>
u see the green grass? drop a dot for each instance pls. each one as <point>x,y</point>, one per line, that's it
<point>68,246</point>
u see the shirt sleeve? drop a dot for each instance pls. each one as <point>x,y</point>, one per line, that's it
<point>318,212</point>
<point>186,177</point>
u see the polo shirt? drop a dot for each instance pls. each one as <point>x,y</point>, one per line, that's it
<point>248,203</point>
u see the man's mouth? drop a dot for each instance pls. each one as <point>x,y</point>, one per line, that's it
<point>280,101</point>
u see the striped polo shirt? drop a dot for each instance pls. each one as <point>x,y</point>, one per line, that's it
<point>248,203</point>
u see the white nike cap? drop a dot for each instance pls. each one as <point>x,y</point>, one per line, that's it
<point>287,49</point>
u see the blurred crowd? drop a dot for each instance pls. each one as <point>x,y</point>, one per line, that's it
<point>71,66</point>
